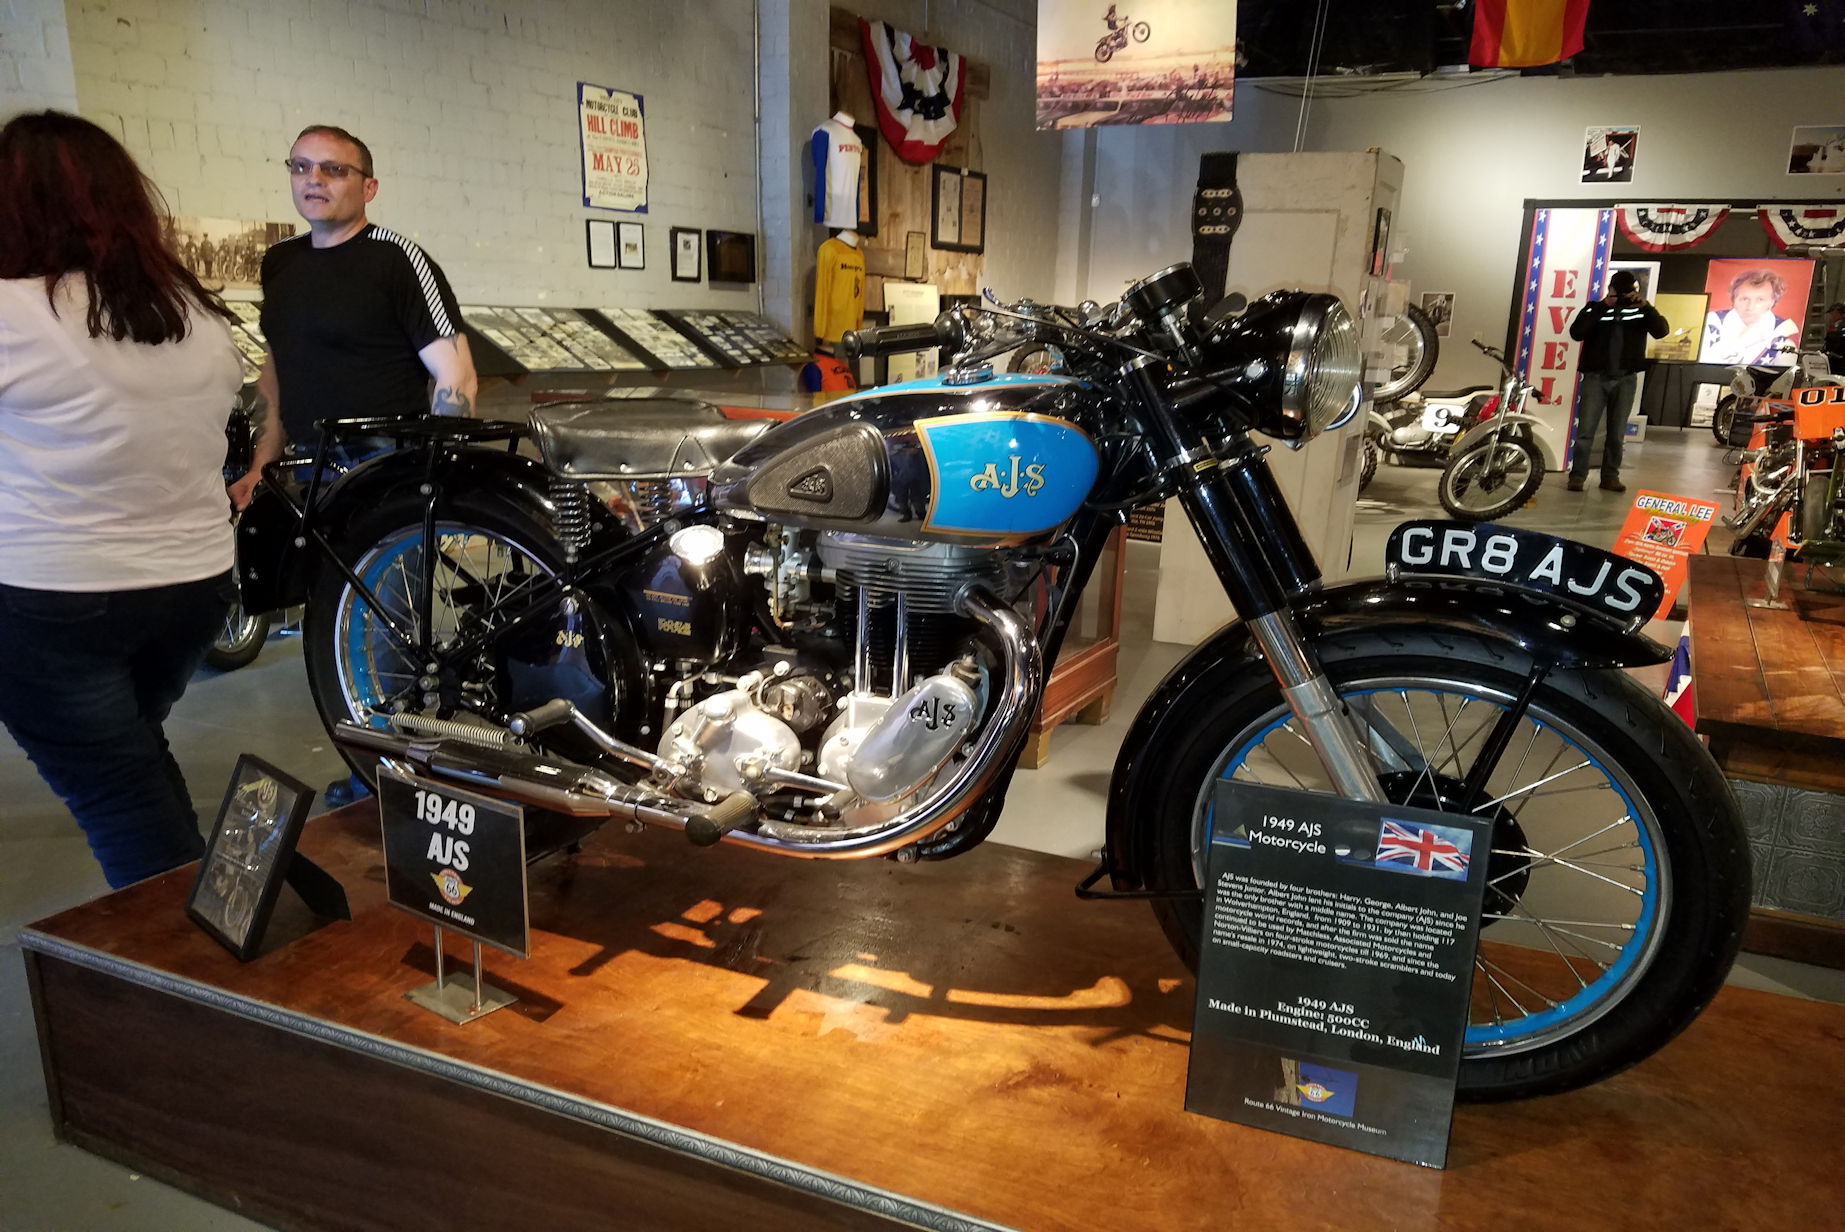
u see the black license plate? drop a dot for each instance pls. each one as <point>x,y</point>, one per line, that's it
<point>1528,560</point>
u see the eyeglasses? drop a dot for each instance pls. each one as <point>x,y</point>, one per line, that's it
<point>333,171</point>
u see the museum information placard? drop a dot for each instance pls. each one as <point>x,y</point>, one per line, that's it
<point>612,128</point>
<point>1336,968</point>
<point>455,858</point>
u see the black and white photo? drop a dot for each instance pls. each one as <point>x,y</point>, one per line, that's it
<point>1818,149</point>
<point>1438,306</point>
<point>1135,62</point>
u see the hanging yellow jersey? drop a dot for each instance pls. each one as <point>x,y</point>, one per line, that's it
<point>839,290</point>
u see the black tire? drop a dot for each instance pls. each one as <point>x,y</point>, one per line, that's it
<point>1367,467</point>
<point>1422,348</point>
<point>1104,51</point>
<point>1472,493</point>
<point>1140,31</point>
<point>351,663</point>
<point>1720,419</point>
<point>1669,792</point>
<point>239,641</point>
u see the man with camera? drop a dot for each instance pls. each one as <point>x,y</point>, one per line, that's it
<point>1613,331</point>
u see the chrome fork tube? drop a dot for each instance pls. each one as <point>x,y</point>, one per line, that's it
<point>861,663</point>
<point>1310,695</point>
<point>900,658</point>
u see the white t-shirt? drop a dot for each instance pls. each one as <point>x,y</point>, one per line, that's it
<point>111,453</point>
<point>838,155</point>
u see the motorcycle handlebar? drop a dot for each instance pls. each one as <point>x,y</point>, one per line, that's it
<point>893,339</point>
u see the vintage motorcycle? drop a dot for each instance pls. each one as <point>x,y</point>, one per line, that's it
<point>1117,38</point>
<point>1792,471</point>
<point>1496,461</point>
<point>827,639</point>
<point>1420,430</point>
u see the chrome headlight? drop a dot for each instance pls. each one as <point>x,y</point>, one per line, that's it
<point>1294,359</point>
<point>1321,385</point>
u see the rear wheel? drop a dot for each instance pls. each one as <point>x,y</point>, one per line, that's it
<point>1104,51</point>
<point>1720,420</point>
<point>1491,479</point>
<point>357,671</point>
<point>1619,881</point>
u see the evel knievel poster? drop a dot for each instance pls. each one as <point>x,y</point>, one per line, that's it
<point>1135,62</point>
<point>1566,266</point>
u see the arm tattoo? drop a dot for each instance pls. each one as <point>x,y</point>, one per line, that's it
<point>258,420</point>
<point>451,401</point>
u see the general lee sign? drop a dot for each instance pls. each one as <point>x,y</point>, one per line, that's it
<point>612,129</point>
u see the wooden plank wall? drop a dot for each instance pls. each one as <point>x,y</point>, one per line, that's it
<point>904,189</point>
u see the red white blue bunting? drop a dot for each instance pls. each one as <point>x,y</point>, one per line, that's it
<point>919,90</point>
<point>1803,224</point>
<point>1669,228</point>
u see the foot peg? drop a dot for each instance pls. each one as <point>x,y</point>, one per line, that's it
<point>726,815</point>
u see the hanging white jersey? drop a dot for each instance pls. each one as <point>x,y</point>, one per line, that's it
<point>838,158</point>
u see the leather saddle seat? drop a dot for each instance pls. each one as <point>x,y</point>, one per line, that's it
<point>639,438</point>
<point>1442,395</point>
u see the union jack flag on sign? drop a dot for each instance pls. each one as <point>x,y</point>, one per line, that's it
<point>1433,851</point>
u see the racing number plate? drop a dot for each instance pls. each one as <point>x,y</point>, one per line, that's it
<point>1528,560</point>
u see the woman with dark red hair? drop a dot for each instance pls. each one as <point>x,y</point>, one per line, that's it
<point>117,375</point>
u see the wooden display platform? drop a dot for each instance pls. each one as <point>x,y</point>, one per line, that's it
<point>1770,693</point>
<point>716,1039</point>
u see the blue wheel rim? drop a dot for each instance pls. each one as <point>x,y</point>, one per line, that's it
<point>1616,978</point>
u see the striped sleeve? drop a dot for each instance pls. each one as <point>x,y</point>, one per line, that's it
<point>428,309</point>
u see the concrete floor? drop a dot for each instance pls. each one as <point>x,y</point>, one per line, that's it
<point>264,709</point>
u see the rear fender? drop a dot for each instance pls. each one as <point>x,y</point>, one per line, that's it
<point>276,570</point>
<point>1531,628</point>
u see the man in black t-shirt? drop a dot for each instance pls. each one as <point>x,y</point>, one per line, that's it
<point>358,319</point>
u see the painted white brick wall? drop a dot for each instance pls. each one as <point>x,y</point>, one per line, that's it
<point>470,111</point>
<point>35,63</point>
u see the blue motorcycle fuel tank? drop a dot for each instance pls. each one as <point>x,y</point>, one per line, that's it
<point>996,462</point>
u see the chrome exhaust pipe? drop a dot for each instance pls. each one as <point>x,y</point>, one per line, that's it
<point>1748,521</point>
<point>536,779</point>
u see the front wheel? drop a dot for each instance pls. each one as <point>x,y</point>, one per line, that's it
<point>1141,31</point>
<point>239,641</point>
<point>1619,880</point>
<point>1721,418</point>
<point>1490,480</point>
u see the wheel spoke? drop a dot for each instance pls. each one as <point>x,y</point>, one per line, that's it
<point>1534,786</point>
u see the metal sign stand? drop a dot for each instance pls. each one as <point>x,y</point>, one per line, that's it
<point>454,1001</point>
<point>1777,562</point>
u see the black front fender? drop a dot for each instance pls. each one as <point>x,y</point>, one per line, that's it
<point>274,572</point>
<point>1526,624</point>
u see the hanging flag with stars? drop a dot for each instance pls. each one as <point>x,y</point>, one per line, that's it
<point>1678,693</point>
<point>1800,224</point>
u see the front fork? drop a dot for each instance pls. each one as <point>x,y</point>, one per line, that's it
<point>1256,548</point>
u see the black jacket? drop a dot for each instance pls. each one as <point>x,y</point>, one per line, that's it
<point>1613,336</point>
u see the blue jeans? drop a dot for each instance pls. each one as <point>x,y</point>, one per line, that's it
<point>1612,393</point>
<point>86,680</point>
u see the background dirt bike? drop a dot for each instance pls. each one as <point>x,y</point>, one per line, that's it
<point>1116,39</point>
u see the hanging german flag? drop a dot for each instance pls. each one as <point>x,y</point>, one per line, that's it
<point>1526,33</point>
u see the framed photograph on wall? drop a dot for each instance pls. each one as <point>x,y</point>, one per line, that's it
<point>1438,306</point>
<point>1684,316</point>
<point>688,253</point>
<point>868,179</point>
<point>1608,153</point>
<point>251,847</point>
<point>631,251</point>
<point>1646,276</point>
<point>958,215</point>
<point>1817,150</point>
<point>599,233</point>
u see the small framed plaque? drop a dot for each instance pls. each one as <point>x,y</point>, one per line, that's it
<point>916,256</point>
<point>600,235</point>
<point>958,217</point>
<point>688,253</point>
<point>631,252</point>
<point>252,846</point>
